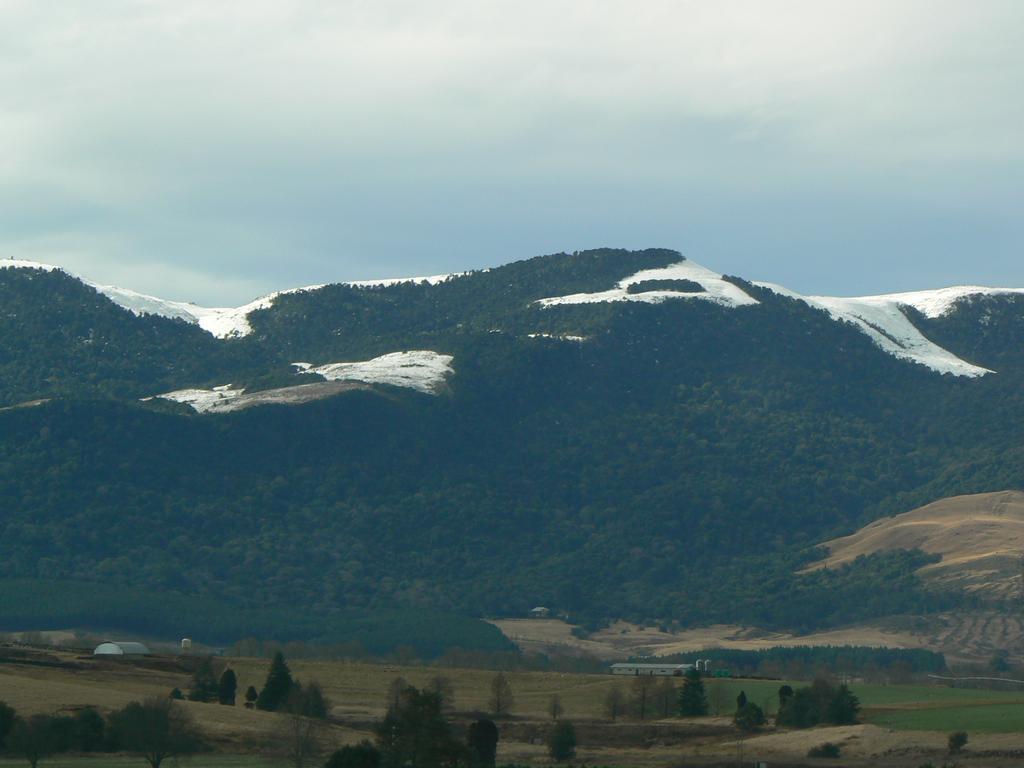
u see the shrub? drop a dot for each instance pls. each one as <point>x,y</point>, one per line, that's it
<point>828,749</point>
<point>957,741</point>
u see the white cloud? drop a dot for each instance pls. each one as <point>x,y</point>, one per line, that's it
<point>217,138</point>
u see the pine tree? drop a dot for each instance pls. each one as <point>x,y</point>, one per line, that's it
<point>227,687</point>
<point>204,682</point>
<point>277,687</point>
<point>692,700</point>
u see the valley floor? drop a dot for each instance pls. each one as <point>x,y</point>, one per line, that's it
<point>904,725</point>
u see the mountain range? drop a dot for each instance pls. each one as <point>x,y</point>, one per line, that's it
<point>614,434</point>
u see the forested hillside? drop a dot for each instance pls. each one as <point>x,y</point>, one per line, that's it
<point>674,462</point>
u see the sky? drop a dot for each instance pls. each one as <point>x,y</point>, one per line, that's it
<point>216,151</point>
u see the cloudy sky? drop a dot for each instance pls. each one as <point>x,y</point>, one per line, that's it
<point>213,151</point>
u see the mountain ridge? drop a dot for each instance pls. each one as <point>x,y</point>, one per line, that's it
<point>881,317</point>
<point>654,460</point>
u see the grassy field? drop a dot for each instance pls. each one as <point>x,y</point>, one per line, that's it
<point>895,716</point>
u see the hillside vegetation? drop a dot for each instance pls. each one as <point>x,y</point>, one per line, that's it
<point>680,464</point>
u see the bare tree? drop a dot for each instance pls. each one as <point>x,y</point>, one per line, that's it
<point>615,702</point>
<point>501,695</point>
<point>666,697</point>
<point>300,734</point>
<point>395,690</point>
<point>33,739</point>
<point>555,708</point>
<point>642,693</point>
<point>156,729</point>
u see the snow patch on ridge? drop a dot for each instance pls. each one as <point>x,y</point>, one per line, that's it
<point>222,322</point>
<point>204,400</point>
<point>715,288</point>
<point>940,301</point>
<point>422,370</point>
<point>882,320</point>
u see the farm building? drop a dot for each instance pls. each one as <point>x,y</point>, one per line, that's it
<point>118,648</point>
<point>659,670</point>
<point>540,612</point>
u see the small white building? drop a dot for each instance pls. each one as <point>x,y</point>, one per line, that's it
<point>119,648</point>
<point>659,670</point>
<point>540,612</point>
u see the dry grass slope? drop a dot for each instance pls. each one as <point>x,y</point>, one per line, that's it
<point>980,539</point>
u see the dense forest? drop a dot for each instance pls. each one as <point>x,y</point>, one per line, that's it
<point>680,465</point>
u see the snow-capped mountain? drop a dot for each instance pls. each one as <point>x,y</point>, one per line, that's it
<point>882,318</point>
<point>650,427</point>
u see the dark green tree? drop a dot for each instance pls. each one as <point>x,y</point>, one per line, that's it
<point>176,694</point>
<point>749,717</point>
<point>417,735</point>
<point>443,687</point>
<point>204,682</point>
<point>308,700</point>
<point>156,729</point>
<point>785,694</point>
<point>562,741</point>
<point>88,731</point>
<point>843,707</point>
<point>251,696</point>
<point>741,700</point>
<point>277,687</point>
<point>227,687</point>
<point>482,740</point>
<point>956,742</point>
<point>693,701</point>
<point>33,738</point>
<point>361,755</point>
<point>7,719</point>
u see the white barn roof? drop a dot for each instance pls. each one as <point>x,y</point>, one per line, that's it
<point>119,648</point>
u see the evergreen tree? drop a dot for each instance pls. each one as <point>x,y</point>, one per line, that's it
<point>417,735</point>
<point>749,717</point>
<point>251,695</point>
<point>693,701</point>
<point>277,687</point>
<point>741,700</point>
<point>785,694</point>
<point>562,741</point>
<point>482,740</point>
<point>227,687</point>
<point>7,718</point>
<point>204,682</point>
<point>843,707</point>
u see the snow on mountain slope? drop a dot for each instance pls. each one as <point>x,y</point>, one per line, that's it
<point>421,370</point>
<point>881,318</point>
<point>715,288</point>
<point>940,301</point>
<point>222,322</point>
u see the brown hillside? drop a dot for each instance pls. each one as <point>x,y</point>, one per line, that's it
<point>980,539</point>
